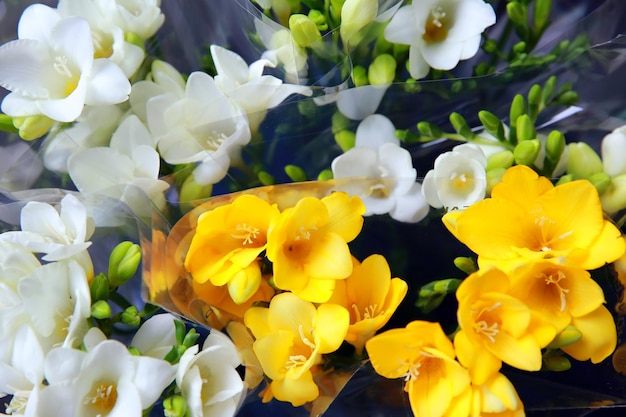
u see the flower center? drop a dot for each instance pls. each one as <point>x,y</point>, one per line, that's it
<point>486,325</point>
<point>102,398</point>
<point>425,363</point>
<point>546,241</point>
<point>17,405</point>
<point>369,312</point>
<point>460,181</point>
<point>436,29</point>
<point>215,140</point>
<point>552,280</point>
<point>246,233</point>
<point>102,45</point>
<point>62,68</point>
<point>298,359</point>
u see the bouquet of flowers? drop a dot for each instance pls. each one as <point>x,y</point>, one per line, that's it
<point>311,207</point>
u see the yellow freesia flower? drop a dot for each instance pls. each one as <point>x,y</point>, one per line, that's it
<point>422,354</point>
<point>308,245</point>
<point>564,296</point>
<point>291,336</point>
<point>528,218</point>
<point>496,327</point>
<point>226,245</point>
<point>371,296</point>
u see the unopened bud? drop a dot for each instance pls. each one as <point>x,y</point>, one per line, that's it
<point>345,139</point>
<point>525,153</point>
<point>123,263</point>
<point>191,190</point>
<point>33,127</point>
<point>582,161</point>
<point>355,15</point>
<point>383,70</point>
<point>99,288</point>
<point>175,406</point>
<point>568,336</point>
<point>101,310</point>
<point>304,30</point>
<point>130,316</point>
<point>503,159</point>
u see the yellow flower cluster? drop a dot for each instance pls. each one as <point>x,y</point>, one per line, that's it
<point>532,293</point>
<point>290,276</point>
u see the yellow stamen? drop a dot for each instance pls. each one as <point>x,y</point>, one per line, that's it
<point>246,233</point>
<point>436,29</point>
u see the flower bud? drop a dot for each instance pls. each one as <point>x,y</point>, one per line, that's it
<point>319,19</point>
<point>382,71</point>
<point>601,181</point>
<point>582,161</point>
<point>614,197</point>
<point>175,406</point>
<point>355,15</point>
<point>345,139</point>
<point>494,176</point>
<point>295,173</point>
<point>134,351</point>
<point>135,39</point>
<point>503,159</point>
<point>99,287</point>
<point>191,190</point>
<point>304,30</point>
<point>101,310</point>
<point>526,152</point>
<point>568,336</point>
<point>123,263</point>
<point>556,362</point>
<point>33,127</point>
<point>466,264</point>
<point>555,145</point>
<point>266,178</point>
<point>339,122</point>
<point>525,128</point>
<point>130,316</point>
<point>359,76</point>
<point>6,124</point>
<point>325,175</point>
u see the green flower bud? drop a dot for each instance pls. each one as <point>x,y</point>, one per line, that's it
<point>295,173</point>
<point>601,181</point>
<point>466,264</point>
<point>101,310</point>
<point>191,190</point>
<point>319,19</point>
<point>131,316</point>
<point>339,122</point>
<point>548,89</point>
<point>304,30</point>
<point>6,124</point>
<point>534,101</point>
<point>503,159</point>
<point>325,175</point>
<point>432,294</point>
<point>266,178</point>
<point>355,15</point>
<point>99,287</point>
<point>555,145</point>
<point>460,125</point>
<point>520,47</point>
<point>345,139</point>
<point>492,124</point>
<point>565,179</point>
<point>525,153</point>
<point>494,176</point>
<point>429,129</point>
<point>542,13</point>
<point>582,161</point>
<point>175,406</point>
<point>135,39</point>
<point>613,197</point>
<point>123,263</point>
<point>517,13</point>
<point>556,363</point>
<point>525,128</point>
<point>134,351</point>
<point>518,107</point>
<point>359,76</point>
<point>382,71</point>
<point>33,127</point>
<point>568,336</point>
<point>490,46</point>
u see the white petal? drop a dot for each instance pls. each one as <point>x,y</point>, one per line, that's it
<point>212,169</point>
<point>107,85</point>
<point>37,21</point>
<point>156,332</point>
<point>418,67</point>
<point>43,219</point>
<point>74,217</point>
<point>229,64</point>
<point>28,356</point>
<point>613,151</point>
<point>90,169</point>
<point>219,339</point>
<point>93,337</point>
<point>374,131</point>
<point>356,162</point>
<point>152,376</point>
<point>130,134</point>
<point>411,207</point>
<point>63,364</point>
<point>360,102</point>
<point>72,38</point>
<point>402,28</point>
<point>23,69</point>
<point>429,190</point>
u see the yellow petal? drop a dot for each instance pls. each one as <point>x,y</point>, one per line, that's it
<point>273,352</point>
<point>331,327</point>
<point>599,336</point>
<point>481,363</point>
<point>369,283</point>
<point>607,247</point>
<point>499,395</point>
<point>316,290</point>
<point>521,185</point>
<point>329,258</point>
<point>296,391</point>
<point>390,351</point>
<point>290,312</point>
<point>522,353</point>
<point>345,215</point>
<point>257,320</point>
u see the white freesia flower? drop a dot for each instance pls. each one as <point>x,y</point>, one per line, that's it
<point>440,32</point>
<point>93,128</point>
<point>141,17</point>
<point>204,126</point>
<point>613,148</point>
<point>163,79</point>
<point>106,380</point>
<point>60,235</point>
<point>156,336</point>
<point>283,50</point>
<point>54,301</point>
<point>208,380</point>
<point>21,372</point>
<point>127,170</point>
<point>248,87</point>
<point>107,36</point>
<point>377,154</point>
<point>458,178</point>
<point>50,69</point>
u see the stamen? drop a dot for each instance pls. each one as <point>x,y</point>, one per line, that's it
<point>413,371</point>
<point>295,361</point>
<point>555,279</point>
<point>104,397</point>
<point>60,66</point>
<point>303,234</point>
<point>357,313</point>
<point>491,331</point>
<point>246,233</point>
<point>304,339</point>
<point>215,140</point>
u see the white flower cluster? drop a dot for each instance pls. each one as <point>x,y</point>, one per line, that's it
<point>52,363</point>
